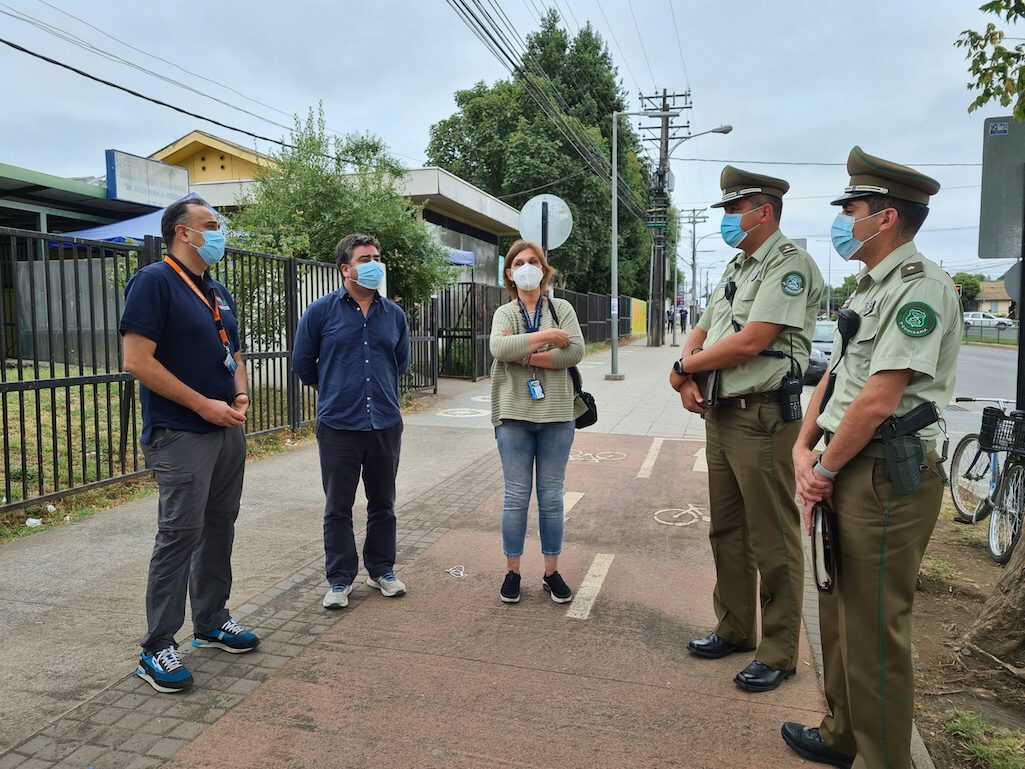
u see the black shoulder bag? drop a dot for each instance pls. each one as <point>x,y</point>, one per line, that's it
<point>590,416</point>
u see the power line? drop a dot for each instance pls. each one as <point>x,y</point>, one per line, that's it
<point>188,72</point>
<point>514,62</point>
<point>619,48</point>
<point>74,39</point>
<point>811,163</point>
<point>679,44</point>
<point>570,9</point>
<point>640,37</point>
<point>543,186</point>
<point>130,92</point>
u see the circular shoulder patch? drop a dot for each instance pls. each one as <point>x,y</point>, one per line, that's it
<point>916,319</point>
<point>793,283</point>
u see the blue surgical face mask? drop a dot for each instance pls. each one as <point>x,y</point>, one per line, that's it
<point>369,275</point>
<point>732,232</point>
<point>842,234</point>
<point>212,250</point>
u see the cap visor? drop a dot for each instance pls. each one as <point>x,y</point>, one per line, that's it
<point>852,196</point>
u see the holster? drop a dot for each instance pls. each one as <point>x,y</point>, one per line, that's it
<point>904,460</point>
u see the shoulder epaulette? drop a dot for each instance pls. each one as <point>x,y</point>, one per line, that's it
<point>789,249</point>
<point>912,271</point>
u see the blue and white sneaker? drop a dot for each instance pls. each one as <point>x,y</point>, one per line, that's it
<point>231,637</point>
<point>388,584</point>
<point>164,671</point>
<point>337,597</point>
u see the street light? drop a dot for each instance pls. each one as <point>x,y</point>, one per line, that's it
<point>614,374</point>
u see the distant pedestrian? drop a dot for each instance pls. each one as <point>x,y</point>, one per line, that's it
<point>180,336</point>
<point>669,320</point>
<point>353,346</point>
<point>534,340</point>
<point>683,319</point>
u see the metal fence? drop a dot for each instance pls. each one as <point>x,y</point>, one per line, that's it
<point>465,312</point>
<point>992,334</point>
<point>70,414</point>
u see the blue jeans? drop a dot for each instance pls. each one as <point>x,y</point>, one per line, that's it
<point>526,447</point>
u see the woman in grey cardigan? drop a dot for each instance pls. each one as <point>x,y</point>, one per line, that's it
<point>534,340</point>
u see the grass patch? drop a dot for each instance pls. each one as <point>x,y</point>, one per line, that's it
<point>936,569</point>
<point>986,746</point>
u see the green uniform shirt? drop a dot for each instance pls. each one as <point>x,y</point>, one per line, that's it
<point>910,319</point>
<point>779,283</point>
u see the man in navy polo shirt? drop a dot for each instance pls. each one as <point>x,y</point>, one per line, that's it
<point>181,342</point>
<point>353,346</point>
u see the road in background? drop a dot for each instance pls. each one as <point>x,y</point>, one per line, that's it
<point>982,372</point>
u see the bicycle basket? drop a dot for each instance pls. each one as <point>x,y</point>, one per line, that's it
<point>1001,432</point>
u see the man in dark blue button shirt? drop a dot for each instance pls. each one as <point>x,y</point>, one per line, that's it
<point>181,342</point>
<point>353,346</point>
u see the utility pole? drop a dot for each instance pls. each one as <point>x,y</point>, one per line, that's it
<point>692,217</point>
<point>669,106</point>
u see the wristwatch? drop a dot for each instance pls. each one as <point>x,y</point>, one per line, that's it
<point>678,368</point>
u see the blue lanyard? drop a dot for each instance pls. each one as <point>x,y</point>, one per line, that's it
<point>536,325</point>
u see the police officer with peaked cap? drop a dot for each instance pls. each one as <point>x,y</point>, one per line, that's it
<point>756,332</point>
<point>902,355</point>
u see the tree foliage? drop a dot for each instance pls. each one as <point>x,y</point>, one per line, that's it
<point>326,187</point>
<point>970,286</point>
<point>997,71</point>
<point>502,141</point>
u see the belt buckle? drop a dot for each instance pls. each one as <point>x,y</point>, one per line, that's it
<point>742,402</point>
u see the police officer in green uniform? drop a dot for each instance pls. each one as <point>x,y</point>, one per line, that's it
<point>902,357</point>
<point>756,332</point>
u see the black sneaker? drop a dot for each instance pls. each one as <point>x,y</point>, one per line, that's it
<point>510,588</point>
<point>556,586</point>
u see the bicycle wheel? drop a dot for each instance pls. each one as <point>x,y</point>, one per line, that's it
<point>971,479</point>
<point>1005,525</point>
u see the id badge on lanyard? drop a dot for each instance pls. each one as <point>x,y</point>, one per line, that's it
<point>534,387</point>
<point>229,360</point>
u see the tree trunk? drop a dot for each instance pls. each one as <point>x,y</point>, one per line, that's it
<point>1000,629</point>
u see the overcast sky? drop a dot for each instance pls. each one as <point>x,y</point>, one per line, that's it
<point>799,81</point>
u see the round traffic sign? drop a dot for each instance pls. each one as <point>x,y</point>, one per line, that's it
<point>560,220</point>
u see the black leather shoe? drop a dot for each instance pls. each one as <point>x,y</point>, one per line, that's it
<point>807,743</point>
<point>713,647</point>
<point>759,677</point>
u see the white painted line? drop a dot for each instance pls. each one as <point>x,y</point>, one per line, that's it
<point>587,593</point>
<point>649,461</point>
<point>570,499</point>
<point>700,461</point>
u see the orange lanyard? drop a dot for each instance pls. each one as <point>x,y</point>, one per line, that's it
<point>214,309</point>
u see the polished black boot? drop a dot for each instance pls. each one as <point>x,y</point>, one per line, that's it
<point>759,677</point>
<point>713,647</point>
<point>807,743</point>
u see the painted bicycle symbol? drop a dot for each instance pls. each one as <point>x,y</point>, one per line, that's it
<point>675,516</point>
<point>599,456</point>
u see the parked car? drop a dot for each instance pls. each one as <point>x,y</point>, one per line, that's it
<point>986,320</point>
<point>817,365</point>
<point>822,338</point>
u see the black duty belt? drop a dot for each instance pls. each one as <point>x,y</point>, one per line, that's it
<point>875,449</point>
<point>744,401</point>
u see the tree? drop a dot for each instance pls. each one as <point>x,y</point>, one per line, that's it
<point>501,140</point>
<point>326,187</point>
<point>998,74</point>
<point>844,290</point>
<point>970,286</point>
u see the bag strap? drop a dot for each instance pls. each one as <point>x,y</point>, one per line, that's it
<point>574,373</point>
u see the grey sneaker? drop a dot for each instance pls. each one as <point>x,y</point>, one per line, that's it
<point>388,584</point>
<point>337,597</point>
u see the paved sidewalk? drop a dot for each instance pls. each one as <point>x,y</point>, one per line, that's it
<point>444,677</point>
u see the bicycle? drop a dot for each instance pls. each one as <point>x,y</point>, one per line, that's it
<point>987,476</point>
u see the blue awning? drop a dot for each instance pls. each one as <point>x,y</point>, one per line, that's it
<point>127,231</point>
<point>461,258</point>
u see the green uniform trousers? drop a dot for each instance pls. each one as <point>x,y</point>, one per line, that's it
<point>755,529</point>
<point>866,623</point>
